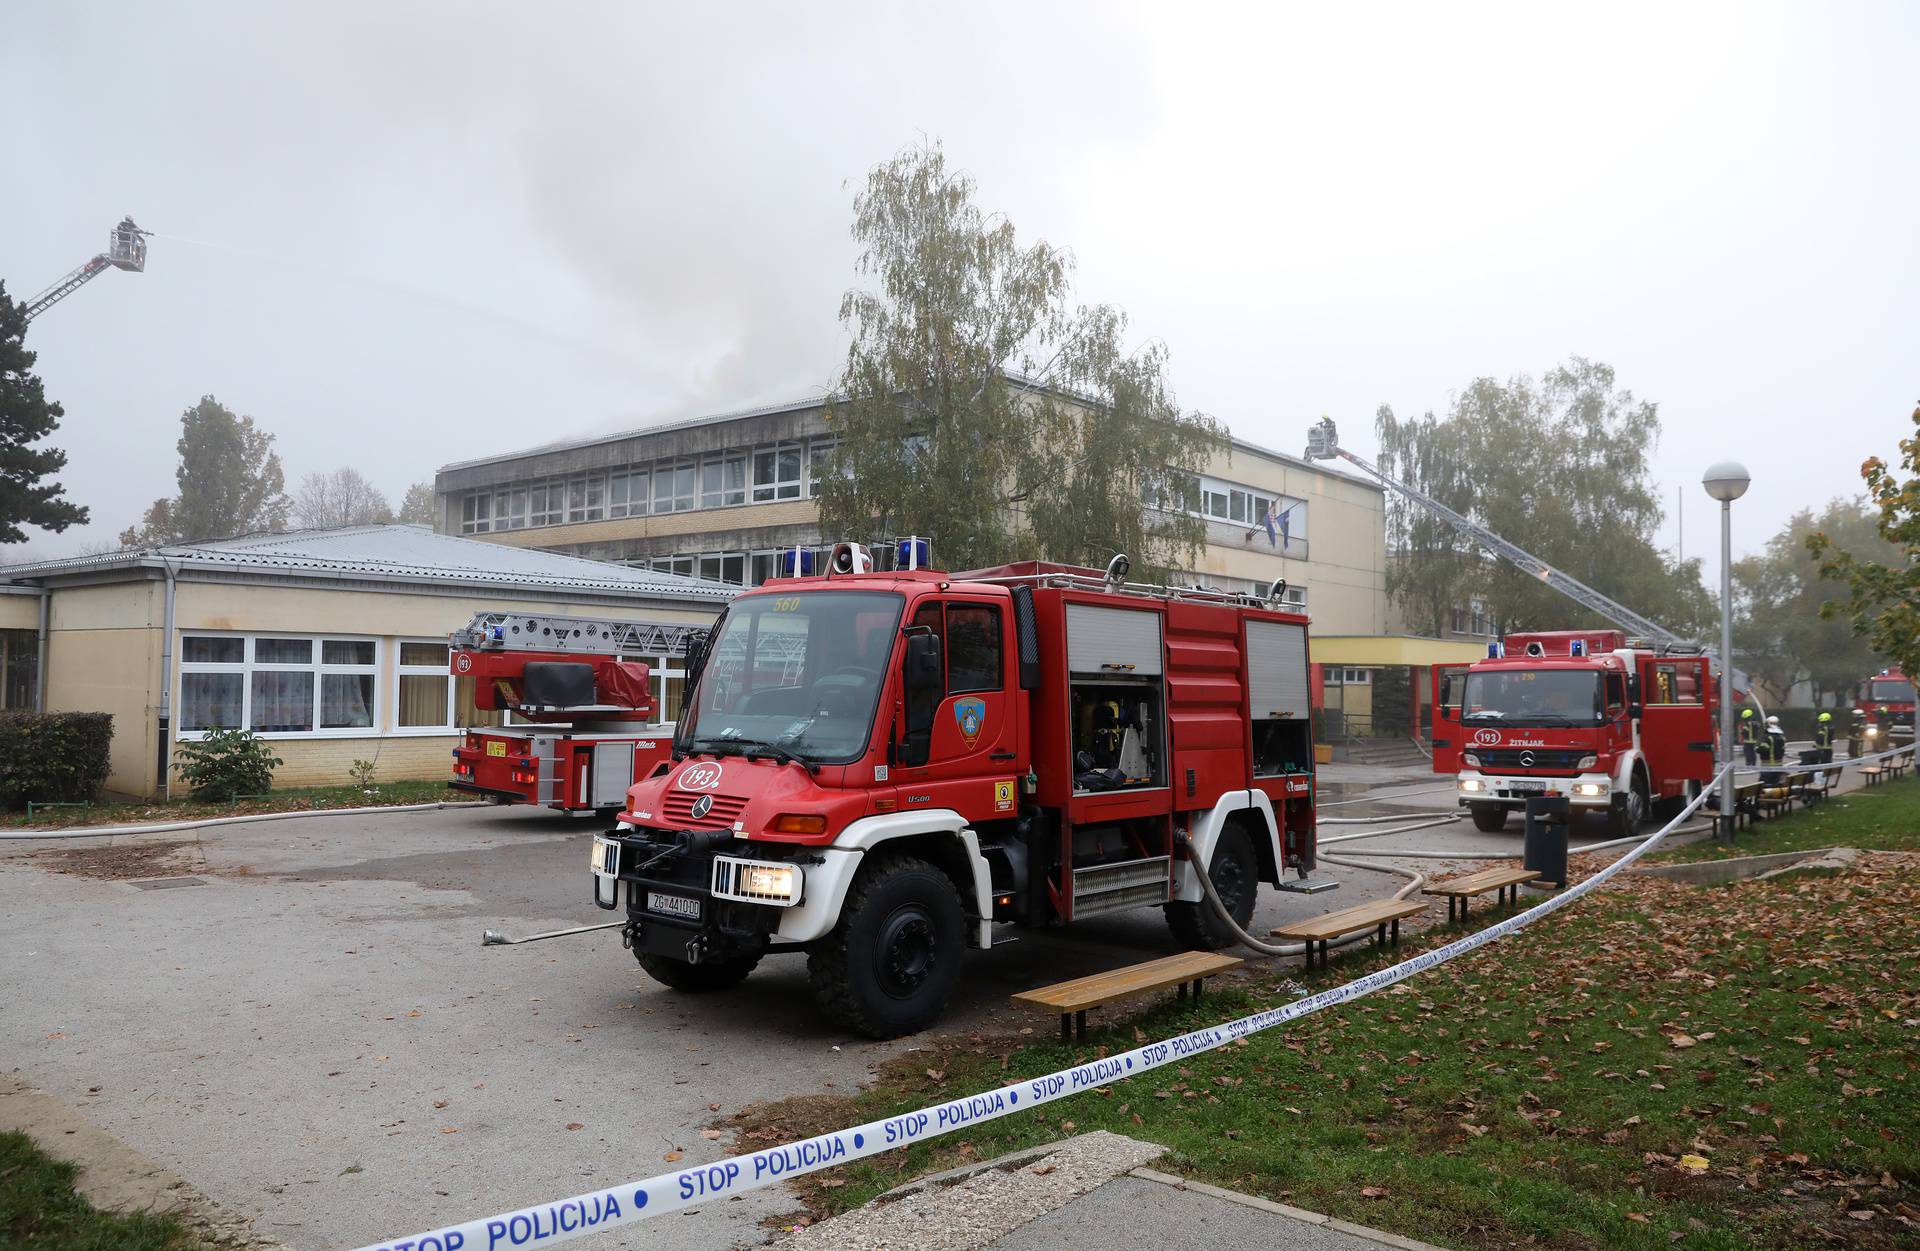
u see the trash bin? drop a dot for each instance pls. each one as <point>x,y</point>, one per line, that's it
<point>1548,828</point>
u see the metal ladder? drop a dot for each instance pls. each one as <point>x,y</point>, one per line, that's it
<point>596,636</point>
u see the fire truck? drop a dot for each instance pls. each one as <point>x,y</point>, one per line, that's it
<point>582,703</point>
<point>1582,714</point>
<point>879,768</point>
<point>1886,700</point>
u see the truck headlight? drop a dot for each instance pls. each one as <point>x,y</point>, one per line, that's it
<point>604,859</point>
<point>757,881</point>
<point>1470,760</point>
<point>1472,784</point>
<point>1589,788</point>
<point>1587,762</point>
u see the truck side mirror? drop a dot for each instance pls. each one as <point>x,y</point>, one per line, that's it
<point>923,682</point>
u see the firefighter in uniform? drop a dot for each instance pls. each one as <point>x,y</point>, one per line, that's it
<point>1823,736</point>
<point>1856,732</point>
<point>1776,742</point>
<point>1746,737</point>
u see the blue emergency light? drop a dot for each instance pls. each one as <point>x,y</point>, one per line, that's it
<point>796,562</point>
<point>1577,648</point>
<point>913,553</point>
<point>1496,650</point>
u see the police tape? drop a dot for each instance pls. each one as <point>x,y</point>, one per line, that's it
<point>546,1224</point>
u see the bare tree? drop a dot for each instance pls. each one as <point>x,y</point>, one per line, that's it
<point>327,501</point>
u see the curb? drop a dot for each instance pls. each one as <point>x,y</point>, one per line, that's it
<point>171,827</point>
<point>1320,1219</point>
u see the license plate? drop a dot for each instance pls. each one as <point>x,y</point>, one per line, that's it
<point>606,857</point>
<point>673,905</point>
<point>496,749</point>
<point>1525,787</point>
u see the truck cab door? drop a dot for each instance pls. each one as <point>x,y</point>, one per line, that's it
<point>975,739</point>
<point>1676,723</point>
<point>1448,731</point>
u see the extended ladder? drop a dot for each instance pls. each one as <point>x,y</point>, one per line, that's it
<point>597,636</point>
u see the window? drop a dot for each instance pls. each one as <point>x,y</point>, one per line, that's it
<point>549,503</point>
<point>820,463</point>
<point>423,699</point>
<point>475,512</point>
<point>723,481</point>
<point>776,472</point>
<point>276,684</point>
<point>973,648</point>
<point>587,498</point>
<point>19,668</point>
<point>628,493</point>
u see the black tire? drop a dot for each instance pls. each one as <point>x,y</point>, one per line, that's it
<point>892,959</point>
<point>1235,873</point>
<point>696,979</point>
<point>1488,818</point>
<point>1626,818</point>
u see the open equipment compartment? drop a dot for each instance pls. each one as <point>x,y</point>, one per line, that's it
<point>1279,702</point>
<point>1116,682</point>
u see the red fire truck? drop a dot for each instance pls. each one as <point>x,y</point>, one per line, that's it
<point>1576,713</point>
<point>1886,701</point>
<point>878,768</point>
<point>584,703</point>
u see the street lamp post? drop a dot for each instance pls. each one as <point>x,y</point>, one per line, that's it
<point>1726,481</point>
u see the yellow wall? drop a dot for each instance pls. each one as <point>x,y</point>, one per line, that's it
<point>19,612</point>
<point>103,655</point>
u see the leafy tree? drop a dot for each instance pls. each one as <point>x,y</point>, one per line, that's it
<point>1562,466</point>
<point>1780,632</point>
<point>977,408</point>
<point>1883,601</point>
<point>230,482</point>
<point>328,501</point>
<point>419,507</point>
<point>28,496</point>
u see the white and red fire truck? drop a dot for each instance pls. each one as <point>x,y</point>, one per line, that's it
<point>582,703</point>
<point>1576,713</point>
<point>879,768</point>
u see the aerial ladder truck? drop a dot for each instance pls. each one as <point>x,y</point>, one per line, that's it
<point>126,249</point>
<point>576,702</point>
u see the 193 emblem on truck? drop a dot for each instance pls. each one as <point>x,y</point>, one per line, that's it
<point>700,777</point>
<point>1486,738</point>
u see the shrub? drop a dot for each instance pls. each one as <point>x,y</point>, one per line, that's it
<point>361,771</point>
<point>226,764</point>
<point>53,757</point>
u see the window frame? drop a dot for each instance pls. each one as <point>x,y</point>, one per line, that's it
<point>248,665</point>
<point>443,670</point>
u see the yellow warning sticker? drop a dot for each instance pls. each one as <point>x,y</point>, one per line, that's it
<point>1003,796</point>
<point>496,749</point>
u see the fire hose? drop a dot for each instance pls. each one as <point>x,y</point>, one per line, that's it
<point>1414,883</point>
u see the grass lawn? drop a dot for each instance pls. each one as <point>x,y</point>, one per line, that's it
<point>1661,1065</point>
<point>289,799</point>
<point>39,1210</point>
<point>1884,817</point>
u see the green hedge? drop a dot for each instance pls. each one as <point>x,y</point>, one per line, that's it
<point>48,757</point>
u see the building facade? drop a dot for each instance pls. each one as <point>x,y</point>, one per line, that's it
<point>722,497</point>
<point>330,644</point>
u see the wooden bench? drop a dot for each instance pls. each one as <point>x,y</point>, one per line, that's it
<point>1873,773</point>
<point>1318,931</point>
<point>1778,787</point>
<point>1820,783</point>
<point>1746,806</point>
<point>1459,890</point>
<point>1072,999</point>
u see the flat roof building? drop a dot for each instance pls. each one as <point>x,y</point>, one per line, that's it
<point>719,498</point>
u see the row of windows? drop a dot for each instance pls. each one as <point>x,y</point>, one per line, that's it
<point>1473,619</point>
<point>758,475</point>
<point>328,686</point>
<point>753,568</point>
<point>1218,500</point>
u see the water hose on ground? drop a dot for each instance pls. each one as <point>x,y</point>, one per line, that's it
<point>170,827</point>
<point>1414,883</point>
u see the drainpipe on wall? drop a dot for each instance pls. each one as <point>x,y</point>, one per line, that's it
<point>40,659</point>
<point>166,689</point>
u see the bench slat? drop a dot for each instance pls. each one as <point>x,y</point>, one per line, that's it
<point>1101,988</point>
<point>1348,920</point>
<point>1480,883</point>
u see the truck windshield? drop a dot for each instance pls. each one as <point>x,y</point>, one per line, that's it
<point>1892,691</point>
<point>794,675</point>
<point>1534,697</point>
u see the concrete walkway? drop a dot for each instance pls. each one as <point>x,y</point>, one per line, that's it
<point>1091,1190</point>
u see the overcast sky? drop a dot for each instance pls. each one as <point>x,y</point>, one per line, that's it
<point>399,235</point>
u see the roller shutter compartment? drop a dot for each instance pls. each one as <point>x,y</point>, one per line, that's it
<point>1112,641</point>
<point>1277,670</point>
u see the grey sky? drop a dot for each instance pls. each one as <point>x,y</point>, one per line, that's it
<point>399,235</point>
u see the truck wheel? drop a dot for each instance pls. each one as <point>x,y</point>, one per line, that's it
<point>890,962</point>
<point>1236,877</point>
<point>1628,816</point>
<point>1488,818</point>
<point>695,978</point>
